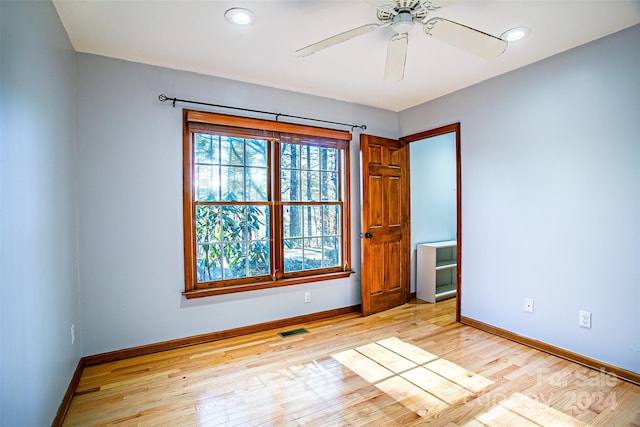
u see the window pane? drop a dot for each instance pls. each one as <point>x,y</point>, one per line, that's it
<point>258,259</point>
<point>290,185</point>
<point>310,186</point>
<point>207,183</point>
<point>232,151</point>
<point>256,184</point>
<point>289,156</point>
<point>235,260</point>
<point>312,221</point>
<point>310,157</point>
<point>329,159</point>
<point>207,148</point>
<point>329,186</point>
<point>331,252</point>
<point>208,263</point>
<point>232,183</point>
<point>257,222</point>
<point>331,220</point>
<point>292,255</point>
<point>292,221</point>
<point>233,223</point>
<point>207,224</point>
<point>256,152</point>
<point>312,254</point>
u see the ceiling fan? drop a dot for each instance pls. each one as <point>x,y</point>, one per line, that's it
<point>401,16</point>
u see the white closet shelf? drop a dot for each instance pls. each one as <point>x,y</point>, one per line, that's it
<point>437,271</point>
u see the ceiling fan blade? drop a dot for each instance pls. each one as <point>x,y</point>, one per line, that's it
<point>437,4</point>
<point>381,3</point>
<point>338,38</point>
<point>396,58</point>
<point>467,38</point>
<point>389,6</point>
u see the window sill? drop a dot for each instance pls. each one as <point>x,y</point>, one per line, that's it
<point>201,293</point>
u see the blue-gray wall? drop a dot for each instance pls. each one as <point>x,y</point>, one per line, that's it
<point>551,196</point>
<point>39,285</point>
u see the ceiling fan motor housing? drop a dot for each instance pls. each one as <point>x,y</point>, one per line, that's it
<point>403,21</point>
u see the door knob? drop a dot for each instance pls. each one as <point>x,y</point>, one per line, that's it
<point>368,235</point>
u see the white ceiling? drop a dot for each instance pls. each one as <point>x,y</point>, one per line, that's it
<point>194,36</point>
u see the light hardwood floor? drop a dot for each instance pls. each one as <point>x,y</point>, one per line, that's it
<point>411,365</point>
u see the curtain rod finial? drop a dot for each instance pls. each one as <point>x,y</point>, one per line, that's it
<point>162,97</point>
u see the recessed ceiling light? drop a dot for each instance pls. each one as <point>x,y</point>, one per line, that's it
<point>515,34</point>
<point>239,16</point>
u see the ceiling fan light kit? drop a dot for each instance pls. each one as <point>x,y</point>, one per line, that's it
<point>402,22</point>
<point>402,16</point>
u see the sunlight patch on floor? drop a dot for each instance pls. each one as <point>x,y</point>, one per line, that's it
<point>368,369</point>
<point>417,379</point>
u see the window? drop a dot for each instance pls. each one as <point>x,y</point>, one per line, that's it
<point>265,204</point>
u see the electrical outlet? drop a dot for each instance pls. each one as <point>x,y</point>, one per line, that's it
<point>307,297</point>
<point>73,334</point>
<point>528,305</point>
<point>584,319</point>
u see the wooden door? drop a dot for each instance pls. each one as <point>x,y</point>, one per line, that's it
<point>385,276</point>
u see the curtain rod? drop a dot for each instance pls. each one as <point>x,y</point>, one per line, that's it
<point>164,98</point>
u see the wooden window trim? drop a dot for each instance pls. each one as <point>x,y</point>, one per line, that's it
<point>204,122</point>
<point>208,292</point>
<point>269,125</point>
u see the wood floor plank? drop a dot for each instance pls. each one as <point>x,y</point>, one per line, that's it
<point>408,366</point>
